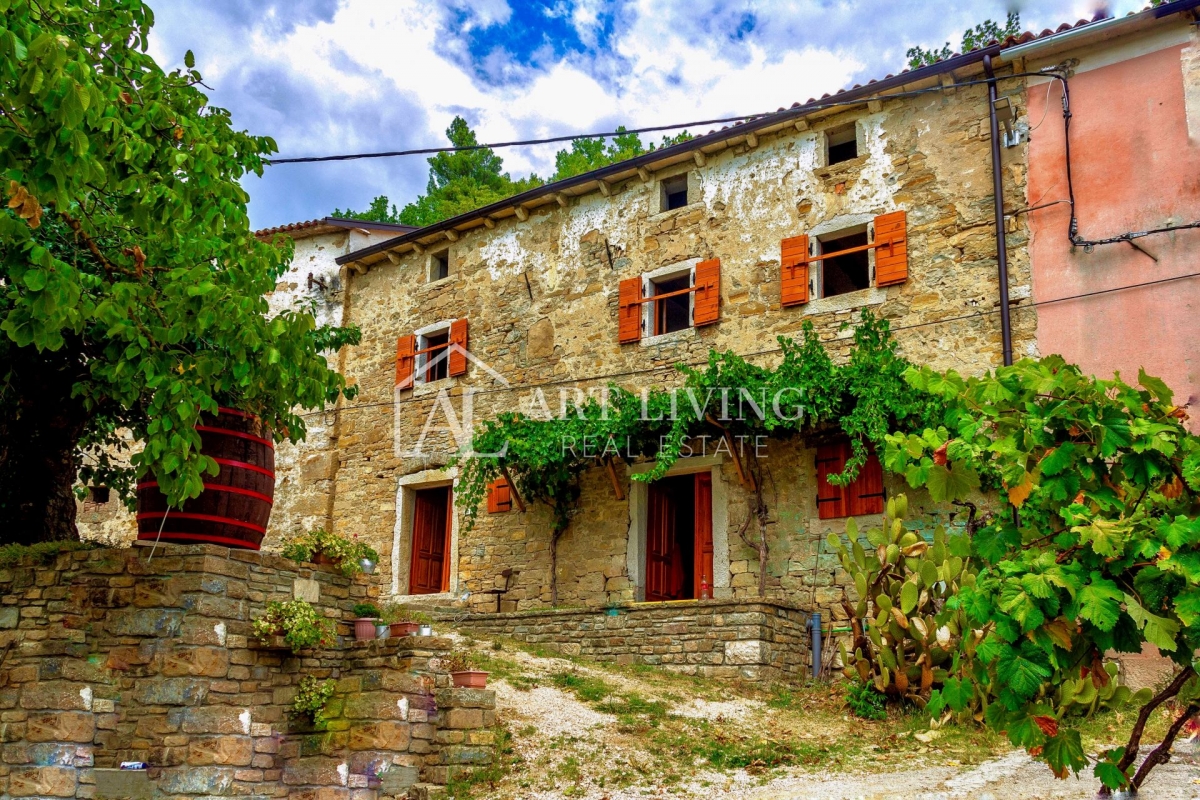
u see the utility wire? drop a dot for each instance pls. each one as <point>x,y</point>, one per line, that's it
<point>769,351</point>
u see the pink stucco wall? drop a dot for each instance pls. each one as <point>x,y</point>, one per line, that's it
<point>1134,168</point>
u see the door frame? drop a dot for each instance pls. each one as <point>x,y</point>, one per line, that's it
<point>406,500</point>
<point>639,501</point>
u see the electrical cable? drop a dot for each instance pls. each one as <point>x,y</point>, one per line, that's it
<point>769,351</point>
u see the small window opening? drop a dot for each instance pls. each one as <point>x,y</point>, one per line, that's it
<point>674,192</point>
<point>843,144</point>
<point>435,363</point>
<point>439,266</point>
<point>847,273</point>
<point>674,313</point>
<point>99,495</point>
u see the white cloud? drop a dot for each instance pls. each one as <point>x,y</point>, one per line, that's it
<point>329,77</point>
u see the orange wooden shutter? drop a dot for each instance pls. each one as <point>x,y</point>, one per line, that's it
<point>405,347</point>
<point>793,270</point>
<point>458,355</point>
<point>707,307</point>
<point>629,315</point>
<point>499,498</point>
<point>865,495</point>
<point>831,460</point>
<point>891,249</point>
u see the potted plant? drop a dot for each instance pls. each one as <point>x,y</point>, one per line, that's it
<point>365,615</point>
<point>404,621</point>
<point>321,547</point>
<point>463,667</point>
<point>297,623</point>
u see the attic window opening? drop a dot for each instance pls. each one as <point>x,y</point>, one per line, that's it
<point>849,272</point>
<point>439,265</point>
<point>674,192</point>
<point>843,144</point>
<point>672,313</point>
<point>433,362</point>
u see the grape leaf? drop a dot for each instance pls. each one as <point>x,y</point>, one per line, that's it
<point>1100,602</point>
<point>1159,631</point>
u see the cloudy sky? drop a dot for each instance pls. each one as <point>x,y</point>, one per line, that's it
<point>336,76</point>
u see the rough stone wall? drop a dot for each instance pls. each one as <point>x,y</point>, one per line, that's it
<point>717,639</point>
<point>541,298</point>
<point>110,656</point>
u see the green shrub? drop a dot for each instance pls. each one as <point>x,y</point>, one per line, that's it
<point>366,611</point>
<point>345,552</point>
<point>40,553</point>
<point>311,699</point>
<point>298,623</point>
<point>865,700</point>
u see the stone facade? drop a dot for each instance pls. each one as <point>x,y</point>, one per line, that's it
<point>111,655</point>
<point>758,641</point>
<point>540,295</point>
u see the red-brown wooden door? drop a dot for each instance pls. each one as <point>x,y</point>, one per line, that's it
<point>666,577</point>
<point>703,560</point>
<point>430,570</point>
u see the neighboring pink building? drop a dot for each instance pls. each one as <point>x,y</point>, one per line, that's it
<point>1134,92</point>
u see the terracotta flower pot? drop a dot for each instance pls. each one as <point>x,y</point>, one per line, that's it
<point>469,679</point>
<point>321,558</point>
<point>404,628</point>
<point>364,629</point>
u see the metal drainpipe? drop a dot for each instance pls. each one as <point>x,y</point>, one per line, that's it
<point>814,627</point>
<point>998,202</point>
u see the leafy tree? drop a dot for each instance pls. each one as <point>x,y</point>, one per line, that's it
<point>462,181</point>
<point>972,39</point>
<point>132,286</point>
<point>379,211</point>
<point>587,154</point>
<point>1102,552</point>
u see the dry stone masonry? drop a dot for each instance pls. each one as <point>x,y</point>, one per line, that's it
<point>112,656</point>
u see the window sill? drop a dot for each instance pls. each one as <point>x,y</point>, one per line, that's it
<point>842,169</point>
<point>669,338</point>
<point>426,388</point>
<point>846,302</point>
<point>662,216</point>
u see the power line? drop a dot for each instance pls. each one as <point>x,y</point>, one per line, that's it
<point>769,351</point>
<point>808,108</point>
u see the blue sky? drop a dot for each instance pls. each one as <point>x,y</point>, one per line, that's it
<point>334,76</point>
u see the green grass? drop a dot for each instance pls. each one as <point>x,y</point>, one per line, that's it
<point>585,687</point>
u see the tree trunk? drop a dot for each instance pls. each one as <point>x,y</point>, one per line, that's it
<point>40,428</point>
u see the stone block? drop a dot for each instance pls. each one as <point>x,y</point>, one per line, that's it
<point>59,695</point>
<point>754,651</point>
<point>9,617</point>
<point>234,750</point>
<point>214,719</point>
<point>212,662</point>
<point>316,771</point>
<point>376,705</point>
<point>462,718</point>
<point>42,782</point>
<point>396,779</point>
<point>122,784</point>
<point>385,735</point>
<point>306,589</point>
<point>197,780</point>
<point>61,726</point>
<point>157,622</point>
<point>466,698</point>
<point>170,691</point>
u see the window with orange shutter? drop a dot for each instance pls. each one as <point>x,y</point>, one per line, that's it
<point>864,495</point>
<point>840,262</point>
<point>669,300</point>
<point>499,497</point>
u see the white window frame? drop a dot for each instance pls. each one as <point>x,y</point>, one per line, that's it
<point>669,272</point>
<point>421,361</point>
<point>816,277</point>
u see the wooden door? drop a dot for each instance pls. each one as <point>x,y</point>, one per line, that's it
<point>430,542</point>
<point>664,568</point>
<point>703,561</point>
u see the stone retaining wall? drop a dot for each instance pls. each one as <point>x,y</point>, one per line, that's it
<point>754,640</point>
<point>109,656</point>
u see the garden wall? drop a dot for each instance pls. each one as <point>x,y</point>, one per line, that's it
<point>753,640</point>
<point>109,656</point>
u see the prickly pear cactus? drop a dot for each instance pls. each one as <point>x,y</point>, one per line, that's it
<point>905,636</point>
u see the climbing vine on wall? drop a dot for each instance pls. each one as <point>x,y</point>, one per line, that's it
<point>865,396</point>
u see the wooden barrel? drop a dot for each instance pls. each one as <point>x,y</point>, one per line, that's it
<point>235,506</point>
